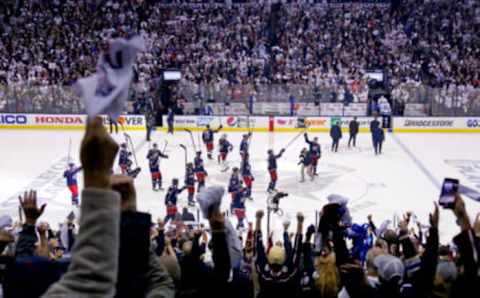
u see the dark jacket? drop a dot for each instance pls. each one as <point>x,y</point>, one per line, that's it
<point>286,283</point>
<point>336,132</point>
<point>353,127</point>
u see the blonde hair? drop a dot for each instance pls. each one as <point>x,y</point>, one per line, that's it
<point>327,278</point>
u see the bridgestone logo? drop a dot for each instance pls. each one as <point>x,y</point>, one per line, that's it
<point>429,123</point>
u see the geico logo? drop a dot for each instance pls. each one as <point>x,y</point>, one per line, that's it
<point>319,122</point>
<point>473,123</point>
<point>59,119</point>
<point>13,119</point>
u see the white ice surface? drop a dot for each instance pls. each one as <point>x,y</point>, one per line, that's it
<point>384,186</point>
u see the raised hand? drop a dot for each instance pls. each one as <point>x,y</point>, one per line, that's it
<point>434,216</point>
<point>124,185</point>
<point>29,206</point>
<point>217,220</point>
<point>97,153</point>
<point>461,213</point>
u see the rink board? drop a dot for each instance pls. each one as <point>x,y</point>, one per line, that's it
<point>248,123</point>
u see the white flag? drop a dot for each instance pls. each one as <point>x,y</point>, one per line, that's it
<point>106,91</point>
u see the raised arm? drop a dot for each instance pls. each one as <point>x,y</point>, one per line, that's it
<point>94,265</point>
<point>261,257</point>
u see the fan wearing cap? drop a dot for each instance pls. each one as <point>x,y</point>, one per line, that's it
<point>390,271</point>
<point>70,175</point>
<point>278,272</point>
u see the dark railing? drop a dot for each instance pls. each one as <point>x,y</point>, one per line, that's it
<point>407,99</point>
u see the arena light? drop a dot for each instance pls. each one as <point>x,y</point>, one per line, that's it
<point>172,75</point>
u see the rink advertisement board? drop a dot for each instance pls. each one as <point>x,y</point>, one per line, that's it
<point>229,123</point>
<point>318,124</point>
<point>437,124</point>
<point>47,121</point>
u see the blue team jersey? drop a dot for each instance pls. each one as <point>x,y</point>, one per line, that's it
<point>244,146</point>
<point>153,157</point>
<point>71,175</point>
<point>234,183</point>
<point>246,169</point>
<point>189,177</point>
<point>198,165</point>
<point>314,147</point>
<point>172,194</point>
<point>225,146</point>
<point>207,136</point>
<point>239,199</point>
<point>124,158</point>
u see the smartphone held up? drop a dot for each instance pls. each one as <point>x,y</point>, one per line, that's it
<point>448,193</point>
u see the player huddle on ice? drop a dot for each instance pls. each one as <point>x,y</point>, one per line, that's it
<point>241,179</point>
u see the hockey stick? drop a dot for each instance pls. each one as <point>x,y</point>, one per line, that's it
<point>296,137</point>
<point>186,157</point>
<point>199,142</point>
<point>293,140</point>
<point>69,150</point>
<point>129,141</point>
<point>163,151</point>
<point>191,138</point>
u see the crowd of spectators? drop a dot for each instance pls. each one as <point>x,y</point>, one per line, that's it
<point>310,50</point>
<point>115,250</point>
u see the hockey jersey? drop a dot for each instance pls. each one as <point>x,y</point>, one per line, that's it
<point>71,175</point>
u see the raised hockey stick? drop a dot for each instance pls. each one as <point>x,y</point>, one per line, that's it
<point>186,156</point>
<point>129,141</point>
<point>69,150</point>
<point>295,138</point>
<point>191,138</point>
<point>163,151</point>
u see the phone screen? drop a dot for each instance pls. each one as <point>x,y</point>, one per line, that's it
<point>447,195</point>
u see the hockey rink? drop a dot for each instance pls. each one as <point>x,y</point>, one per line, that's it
<point>406,177</point>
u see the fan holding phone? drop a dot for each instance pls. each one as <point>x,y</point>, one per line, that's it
<point>448,193</point>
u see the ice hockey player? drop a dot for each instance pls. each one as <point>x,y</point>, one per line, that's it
<point>208,139</point>
<point>353,129</point>
<point>378,136</point>
<point>126,163</point>
<point>246,172</point>
<point>234,183</point>
<point>224,148</point>
<point>244,145</point>
<point>124,158</point>
<point>199,169</point>
<point>272,168</point>
<point>238,205</point>
<point>336,135</point>
<point>315,152</point>
<point>71,175</point>
<point>170,120</point>
<point>153,157</point>
<point>305,163</point>
<point>190,183</point>
<point>171,199</point>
